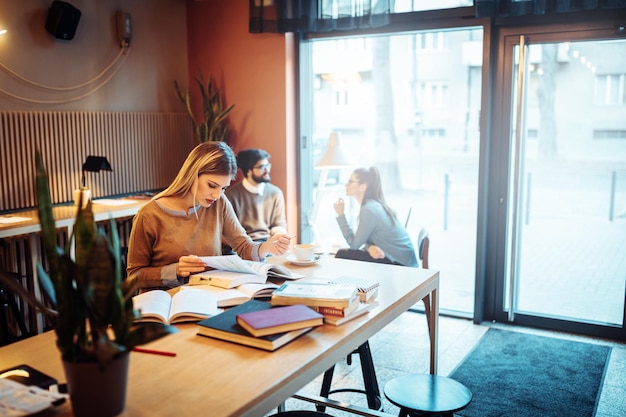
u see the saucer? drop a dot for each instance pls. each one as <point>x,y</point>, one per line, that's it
<point>292,259</point>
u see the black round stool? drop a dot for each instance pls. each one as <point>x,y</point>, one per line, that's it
<point>427,395</point>
<point>301,413</point>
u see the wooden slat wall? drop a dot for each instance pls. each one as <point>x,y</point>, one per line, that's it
<point>145,150</point>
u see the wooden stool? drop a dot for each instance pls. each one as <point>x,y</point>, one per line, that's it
<point>427,395</point>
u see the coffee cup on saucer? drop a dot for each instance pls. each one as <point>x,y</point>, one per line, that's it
<point>304,251</point>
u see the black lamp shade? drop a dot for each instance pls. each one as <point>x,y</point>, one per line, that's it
<point>96,164</point>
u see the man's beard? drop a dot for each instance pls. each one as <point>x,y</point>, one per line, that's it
<point>260,179</point>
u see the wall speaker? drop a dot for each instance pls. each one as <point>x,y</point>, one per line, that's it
<point>62,20</point>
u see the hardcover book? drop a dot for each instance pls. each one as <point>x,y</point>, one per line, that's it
<point>314,295</point>
<point>224,327</point>
<point>363,308</point>
<point>340,312</point>
<point>279,319</point>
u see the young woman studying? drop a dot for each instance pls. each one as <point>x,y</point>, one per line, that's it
<point>191,218</point>
<point>379,237</point>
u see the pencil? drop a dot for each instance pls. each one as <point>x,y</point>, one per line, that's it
<point>154,352</point>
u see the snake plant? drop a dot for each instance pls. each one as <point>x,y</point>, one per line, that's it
<point>212,125</point>
<point>91,305</point>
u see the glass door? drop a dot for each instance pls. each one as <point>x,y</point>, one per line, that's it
<point>566,217</point>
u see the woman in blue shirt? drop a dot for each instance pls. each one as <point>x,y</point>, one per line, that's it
<point>379,237</point>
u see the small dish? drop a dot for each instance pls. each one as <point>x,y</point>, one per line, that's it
<point>292,259</point>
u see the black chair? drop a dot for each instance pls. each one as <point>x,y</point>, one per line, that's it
<point>423,246</point>
<point>10,315</point>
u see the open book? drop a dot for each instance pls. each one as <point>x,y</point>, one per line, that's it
<point>188,304</point>
<point>231,271</point>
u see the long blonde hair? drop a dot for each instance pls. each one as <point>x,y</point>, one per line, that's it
<point>207,158</point>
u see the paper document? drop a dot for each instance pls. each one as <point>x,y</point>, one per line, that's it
<point>13,219</point>
<point>113,202</point>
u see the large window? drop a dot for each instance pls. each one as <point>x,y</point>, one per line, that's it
<point>408,104</point>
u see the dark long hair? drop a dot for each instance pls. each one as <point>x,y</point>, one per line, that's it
<point>374,190</point>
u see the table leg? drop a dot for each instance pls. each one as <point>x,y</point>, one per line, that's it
<point>433,327</point>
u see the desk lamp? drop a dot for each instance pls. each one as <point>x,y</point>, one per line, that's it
<point>92,164</point>
<point>334,158</point>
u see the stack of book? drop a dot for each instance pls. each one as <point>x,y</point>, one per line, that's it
<point>256,323</point>
<point>337,303</point>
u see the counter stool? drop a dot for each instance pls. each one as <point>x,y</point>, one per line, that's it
<point>427,395</point>
<point>371,391</point>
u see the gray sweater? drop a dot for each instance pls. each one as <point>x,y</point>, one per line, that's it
<point>376,228</point>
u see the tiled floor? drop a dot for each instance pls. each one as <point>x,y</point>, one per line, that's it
<point>403,347</point>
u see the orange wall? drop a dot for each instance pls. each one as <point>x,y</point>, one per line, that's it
<point>255,72</point>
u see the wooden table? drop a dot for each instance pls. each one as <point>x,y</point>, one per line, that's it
<point>217,378</point>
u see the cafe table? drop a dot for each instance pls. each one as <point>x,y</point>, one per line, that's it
<point>210,377</point>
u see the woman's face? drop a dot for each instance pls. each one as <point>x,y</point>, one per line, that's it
<point>353,186</point>
<point>209,188</point>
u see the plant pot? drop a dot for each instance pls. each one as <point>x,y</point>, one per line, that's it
<point>96,393</point>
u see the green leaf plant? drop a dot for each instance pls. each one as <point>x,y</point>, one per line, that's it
<point>212,124</point>
<point>91,304</point>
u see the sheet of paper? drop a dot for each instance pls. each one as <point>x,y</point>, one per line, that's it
<point>113,202</point>
<point>13,219</point>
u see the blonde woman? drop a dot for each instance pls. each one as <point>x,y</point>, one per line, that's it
<point>379,236</point>
<point>192,218</point>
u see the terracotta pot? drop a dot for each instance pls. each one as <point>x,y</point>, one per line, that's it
<point>96,393</point>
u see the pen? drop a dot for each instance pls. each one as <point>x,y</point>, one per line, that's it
<point>290,237</point>
<point>154,352</point>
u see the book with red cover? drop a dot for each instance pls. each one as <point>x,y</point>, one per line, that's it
<point>337,311</point>
<point>279,319</point>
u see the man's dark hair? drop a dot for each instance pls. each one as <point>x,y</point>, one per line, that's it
<point>247,159</point>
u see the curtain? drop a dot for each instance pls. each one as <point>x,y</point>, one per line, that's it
<point>282,16</point>
<point>502,8</point>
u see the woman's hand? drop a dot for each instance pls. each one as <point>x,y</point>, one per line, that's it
<point>276,245</point>
<point>375,252</point>
<point>339,206</point>
<point>188,265</point>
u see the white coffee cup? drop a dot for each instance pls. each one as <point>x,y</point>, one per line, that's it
<point>304,251</point>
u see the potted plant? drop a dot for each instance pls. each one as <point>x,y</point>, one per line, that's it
<point>92,310</point>
<point>211,125</point>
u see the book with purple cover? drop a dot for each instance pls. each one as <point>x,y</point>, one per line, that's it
<point>279,319</point>
<point>224,327</point>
